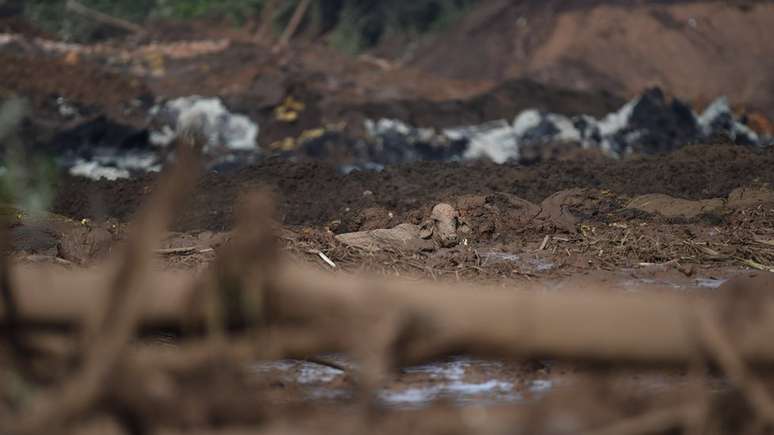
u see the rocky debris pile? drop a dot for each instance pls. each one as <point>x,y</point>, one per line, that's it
<point>208,115</point>
<point>394,142</point>
<point>649,124</point>
<point>101,148</point>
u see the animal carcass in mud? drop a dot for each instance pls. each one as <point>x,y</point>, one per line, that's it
<point>440,230</point>
<point>481,217</point>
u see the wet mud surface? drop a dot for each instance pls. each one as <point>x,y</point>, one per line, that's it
<point>313,194</point>
<point>689,223</point>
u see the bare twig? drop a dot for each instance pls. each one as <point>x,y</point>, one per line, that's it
<point>327,260</point>
<point>182,251</point>
<point>114,326</point>
<point>735,368</point>
<point>234,292</point>
<point>10,307</point>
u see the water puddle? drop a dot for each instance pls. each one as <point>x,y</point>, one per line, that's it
<point>461,380</point>
<point>464,380</point>
<point>526,262</point>
<point>711,283</point>
<point>637,283</point>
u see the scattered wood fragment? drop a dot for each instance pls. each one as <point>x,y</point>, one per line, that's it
<point>544,243</point>
<point>190,250</point>
<point>177,251</point>
<point>755,265</point>
<point>327,260</point>
<point>763,242</point>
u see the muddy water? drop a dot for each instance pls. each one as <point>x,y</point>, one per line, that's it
<point>459,380</point>
<point>643,278</point>
<point>465,380</point>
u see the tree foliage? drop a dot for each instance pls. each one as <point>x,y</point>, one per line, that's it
<point>352,25</point>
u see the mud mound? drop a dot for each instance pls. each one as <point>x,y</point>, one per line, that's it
<point>44,79</point>
<point>10,23</point>
<point>503,101</point>
<point>719,44</point>
<point>317,194</point>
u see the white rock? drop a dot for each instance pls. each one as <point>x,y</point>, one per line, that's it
<point>221,127</point>
<point>567,130</point>
<point>95,171</point>
<point>617,121</point>
<point>384,126</point>
<point>525,121</point>
<point>720,108</point>
<point>494,140</point>
<point>716,109</point>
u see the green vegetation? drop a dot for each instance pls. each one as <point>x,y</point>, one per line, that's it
<point>53,16</point>
<point>363,24</point>
<point>236,10</point>
<point>353,25</point>
<point>25,180</point>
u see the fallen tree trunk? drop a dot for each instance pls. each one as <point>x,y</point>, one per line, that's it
<point>425,321</point>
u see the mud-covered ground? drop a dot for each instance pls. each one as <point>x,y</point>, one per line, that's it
<point>315,194</point>
<point>527,233</point>
<point>687,222</point>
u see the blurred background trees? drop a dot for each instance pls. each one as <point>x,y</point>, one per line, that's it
<point>351,25</point>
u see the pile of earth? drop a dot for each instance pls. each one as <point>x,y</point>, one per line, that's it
<point>316,193</point>
<point>615,45</point>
